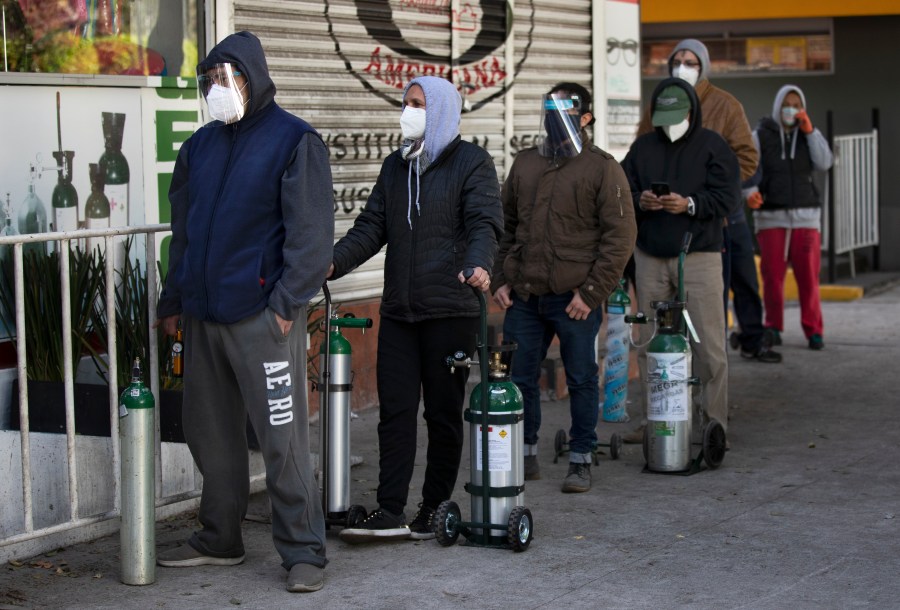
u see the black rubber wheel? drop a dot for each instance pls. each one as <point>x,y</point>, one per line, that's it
<point>559,444</point>
<point>615,446</point>
<point>446,523</point>
<point>356,514</point>
<point>520,529</point>
<point>714,444</point>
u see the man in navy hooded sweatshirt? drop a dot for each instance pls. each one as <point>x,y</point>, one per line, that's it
<point>252,230</point>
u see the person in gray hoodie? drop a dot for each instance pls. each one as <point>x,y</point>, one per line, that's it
<point>788,211</point>
<point>436,206</point>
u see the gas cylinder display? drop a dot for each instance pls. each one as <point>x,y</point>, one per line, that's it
<point>116,166</point>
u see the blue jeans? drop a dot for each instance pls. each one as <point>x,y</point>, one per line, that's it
<point>532,324</point>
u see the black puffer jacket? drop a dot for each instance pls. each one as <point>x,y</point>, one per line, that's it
<point>458,226</point>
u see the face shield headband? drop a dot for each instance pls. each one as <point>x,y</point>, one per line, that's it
<point>561,122</point>
<point>223,87</point>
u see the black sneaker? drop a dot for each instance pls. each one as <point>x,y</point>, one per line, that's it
<point>763,354</point>
<point>578,479</point>
<point>734,340</point>
<point>816,342</point>
<point>421,527</point>
<point>381,525</point>
<point>772,337</point>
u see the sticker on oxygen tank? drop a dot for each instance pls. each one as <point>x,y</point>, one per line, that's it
<point>667,380</point>
<point>499,448</point>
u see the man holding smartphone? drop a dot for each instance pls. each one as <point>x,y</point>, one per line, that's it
<point>684,179</point>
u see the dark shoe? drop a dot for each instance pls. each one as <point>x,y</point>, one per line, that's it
<point>763,354</point>
<point>381,525</point>
<point>772,337</point>
<point>816,342</point>
<point>532,468</point>
<point>305,578</point>
<point>636,436</point>
<point>421,527</point>
<point>734,340</point>
<point>186,556</point>
<point>578,479</point>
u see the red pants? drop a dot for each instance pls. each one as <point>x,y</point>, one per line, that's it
<point>804,254</point>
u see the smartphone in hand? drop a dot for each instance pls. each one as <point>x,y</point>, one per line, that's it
<point>659,188</point>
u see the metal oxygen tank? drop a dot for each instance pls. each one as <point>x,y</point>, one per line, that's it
<point>615,366</point>
<point>505,443</point>
<point>334,420</point>
<point>137,438</point>
<point>668,434</point>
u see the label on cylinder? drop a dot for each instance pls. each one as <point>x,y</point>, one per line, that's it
<point>499,448</point>
<point>667,379</point>
<point>118,204</point>
<point>65,219</point>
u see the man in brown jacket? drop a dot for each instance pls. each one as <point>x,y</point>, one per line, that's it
<point>568,231</point>
<point>725,115</point>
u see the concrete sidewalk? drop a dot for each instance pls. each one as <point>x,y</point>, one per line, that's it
<point>802,513</point>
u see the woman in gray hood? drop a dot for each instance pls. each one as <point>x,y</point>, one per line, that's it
<point>436,206</point>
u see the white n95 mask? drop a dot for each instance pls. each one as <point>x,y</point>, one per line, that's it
<point>677,130</point>
<point>685,73</point>
<point>412,123</point>
<point>225,104</point>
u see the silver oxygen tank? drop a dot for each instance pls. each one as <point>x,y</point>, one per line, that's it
<point>137,438</point>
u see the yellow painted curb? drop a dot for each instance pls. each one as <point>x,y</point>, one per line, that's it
<point>830,292</point>
<point>827,292</point>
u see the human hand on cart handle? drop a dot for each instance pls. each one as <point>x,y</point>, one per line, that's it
<point>577,308</point>
<point>169,324</point>
<point>476,277</point>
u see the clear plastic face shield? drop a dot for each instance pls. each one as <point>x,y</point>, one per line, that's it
<point>224,89</point>
<point>561,124</point>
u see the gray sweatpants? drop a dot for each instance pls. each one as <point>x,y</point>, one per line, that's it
<point>230,371</point>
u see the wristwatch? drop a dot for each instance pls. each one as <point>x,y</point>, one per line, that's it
<point>692,207</point>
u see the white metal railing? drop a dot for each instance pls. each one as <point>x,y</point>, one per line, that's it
<point>855,200</point>
<point>8,545</point>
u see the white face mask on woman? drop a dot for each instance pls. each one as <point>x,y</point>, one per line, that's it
<point>677,130</point>
<point>412,123</point>
<point>789,115</point>
<point>685,73</point>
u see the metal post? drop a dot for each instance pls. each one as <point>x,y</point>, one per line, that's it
<point>876,124</point>
<point>832,259</point>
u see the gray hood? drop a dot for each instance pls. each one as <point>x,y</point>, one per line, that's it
<point>697,48</point>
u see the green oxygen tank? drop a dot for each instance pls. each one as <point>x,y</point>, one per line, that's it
<point>96,208</point>
<point>117,174</point>
<point>137,435</point>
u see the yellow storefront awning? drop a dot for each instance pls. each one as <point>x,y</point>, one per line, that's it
<point>665,11</point>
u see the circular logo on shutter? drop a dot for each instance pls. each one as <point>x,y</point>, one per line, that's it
<point>408,38</point>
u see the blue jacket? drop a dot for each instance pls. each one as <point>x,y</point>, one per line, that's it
<point>252,207</point>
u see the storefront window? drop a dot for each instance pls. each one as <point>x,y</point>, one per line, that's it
<point>761,47</point>
<point>124,37</point>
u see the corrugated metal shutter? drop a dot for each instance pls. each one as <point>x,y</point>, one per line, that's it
<point>342,66</point>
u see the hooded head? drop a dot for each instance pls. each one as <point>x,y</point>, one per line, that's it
<point>673,103</point>
<point>699,50</point>
<point>244,50</point>
<point>779,100</point>
<point>443,107</point>
<point>778,120</point>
